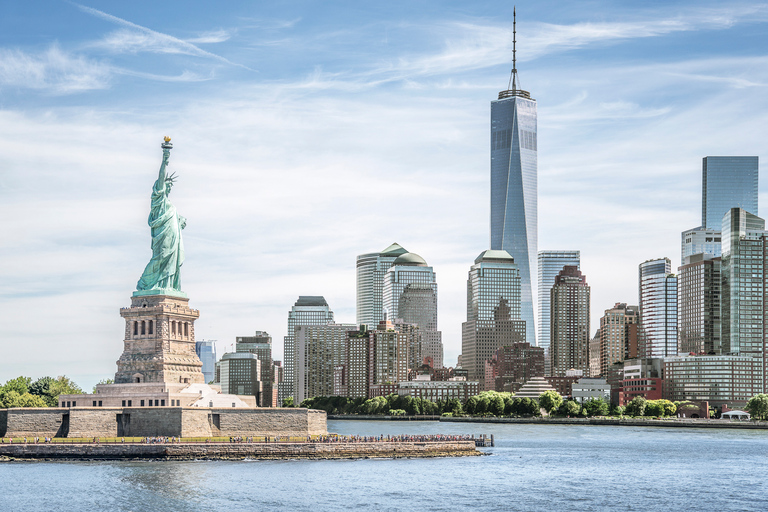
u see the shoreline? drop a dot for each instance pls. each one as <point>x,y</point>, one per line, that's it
<point>623,422</point>
<point>237,451</point>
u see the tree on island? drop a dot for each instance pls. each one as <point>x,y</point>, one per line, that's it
<point>596,407</point>
<point>569,408</point>
<point>758,406</point>
<point>44,392</point>
<point>636,407</point>
<point>550,401</point>
<point>288,402</point>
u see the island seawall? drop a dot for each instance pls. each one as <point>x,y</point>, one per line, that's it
<point>238,451</point>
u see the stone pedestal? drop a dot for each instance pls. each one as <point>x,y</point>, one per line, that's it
<point>159,342</point>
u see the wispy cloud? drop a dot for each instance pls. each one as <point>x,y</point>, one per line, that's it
<point>53,70</point>
<point>143,39</point>
<point>213,36</point>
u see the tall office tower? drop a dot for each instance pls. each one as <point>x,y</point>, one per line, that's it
<point>493,311</point>
<point>699,304</point>
<point>570,322</point>
<point>618,335</point>
<point>320,349</point>
<point>206,351</point>
<point>514,185</point>
<point>727,182</point>
<point>390,363</point>
<point>410,294</point>
<point>658,308</point>
<point>260,344</point>
<point>743,273</point>
<point>700,241</point>
<point>308,310</point>
<point>550,264</point>
<point>371,269</point>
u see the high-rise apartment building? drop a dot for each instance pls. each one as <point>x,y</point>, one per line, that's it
<point>727,182</point>
<point>514,161</point>
<point>319,351</point>
<point>569,298</point>
<point>658,308</point>
<point>371,269</point>
<point>743,278</point>
<point>410,294</point>
<point>550,264</point>
<point>308,310</point>
<point>618,336</point>
<point>206,351</point>
<point>260,344</point>
<point>699,293</point>
<point>493,311</point>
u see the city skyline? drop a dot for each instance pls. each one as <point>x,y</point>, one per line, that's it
<point>298,131</point>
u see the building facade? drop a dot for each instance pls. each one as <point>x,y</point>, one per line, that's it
<point>410,294</point>
<point>618,336</point>
<point>319,350</point>
<point>569,319</point>
<point>727,182</point>
<point>206,351</point>
<point>550,264</point>
<point>721,380</point>
<point>699,312</point>
<point>239,373</point>
<point>493,311</point>
<point>700,241</point>
<point>513,365</point>
<point>658,308</point>
<point>260,344</point>
<point>308,310</point>
<point>371,269</point>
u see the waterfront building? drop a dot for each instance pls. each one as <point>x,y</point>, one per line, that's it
<point>569,299</point>
<point>658,308</point>
<point>594,355</point>
<point>727,182</point>
<point>699,294</point>
<point>239,373</point>
<point>371,269</point>
<point>743,290</point>
<point>513,365</point>
<point>439,390</point>
<point>260,344</point>
<point>493,311</point>
<point>588,388</point>
<point>550,264</point>
<point>410,294</point>
<point>308,310</point>
<point>700,241</point>
<point>514,161</point>
<point>618,336</point>
<point>641,377</point>
<point>206,351</point>
<point>720,379</point>
<point>562,384</point>
<point>534,387</point>
<point>319,350</point>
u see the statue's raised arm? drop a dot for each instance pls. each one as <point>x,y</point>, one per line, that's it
<point>162,276</point>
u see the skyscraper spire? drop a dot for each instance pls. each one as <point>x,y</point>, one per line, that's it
<point>512,89</point>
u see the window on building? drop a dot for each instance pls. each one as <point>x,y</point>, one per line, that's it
<point>130,403</point>
<point>143,327</point>
<point>142,403</point>
<point>162,403</point>
<point>135,328</point>
<point>186,329</point>
<point>94,403</point>
<point>123,403</point>
<point>150,327</point>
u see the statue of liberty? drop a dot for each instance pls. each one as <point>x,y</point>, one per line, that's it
<point>162,276</point>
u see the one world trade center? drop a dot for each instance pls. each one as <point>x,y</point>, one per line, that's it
<point>514,226</point>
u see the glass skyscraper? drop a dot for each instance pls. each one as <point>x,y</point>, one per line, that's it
<point>514,226</point>
<point>658,308</point>
<point>371,269</point>
<point>550,265</point>
<point>410,294</point>
<point>493,311</point>
<point>308,310</point>
<point>727,182</point>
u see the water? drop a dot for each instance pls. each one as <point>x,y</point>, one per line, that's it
<point>532,468</point>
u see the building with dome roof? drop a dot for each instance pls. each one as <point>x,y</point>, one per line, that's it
<point>371,269</point>
<point>410,293</point>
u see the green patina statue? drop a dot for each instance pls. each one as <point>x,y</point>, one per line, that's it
<point>162,276</point>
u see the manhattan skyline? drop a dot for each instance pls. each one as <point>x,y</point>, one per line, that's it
<point>307,135</point>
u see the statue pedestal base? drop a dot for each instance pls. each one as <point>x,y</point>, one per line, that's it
<point>159,345</point>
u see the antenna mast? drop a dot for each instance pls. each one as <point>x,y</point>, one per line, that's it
<point>514,80</point>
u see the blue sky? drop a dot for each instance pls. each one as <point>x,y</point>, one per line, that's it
<point>307,133</point>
